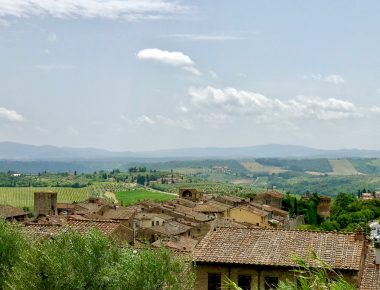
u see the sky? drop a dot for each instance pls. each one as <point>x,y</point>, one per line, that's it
<point>136,75</point>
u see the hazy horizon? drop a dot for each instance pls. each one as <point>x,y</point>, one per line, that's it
<point>145,75</point>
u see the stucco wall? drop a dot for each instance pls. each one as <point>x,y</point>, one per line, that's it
<point>258,275</point>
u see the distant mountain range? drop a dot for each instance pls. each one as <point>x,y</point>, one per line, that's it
<point>25,152</point>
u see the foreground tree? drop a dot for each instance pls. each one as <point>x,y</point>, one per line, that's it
<point>74,261</point>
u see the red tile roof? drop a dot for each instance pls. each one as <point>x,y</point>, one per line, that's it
<point>275,194</point>
<point>7,211</point>
<point>119,213</point>
<point>171,228</point>
<point>257,246</point>
<point>371,274</point>
<point>81,226</point>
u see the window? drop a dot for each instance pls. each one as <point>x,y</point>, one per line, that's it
<point>271,283</point>
<point>157,223</point>
<point>214,281</point>
<point>244,282</point>
<point>152,223</point>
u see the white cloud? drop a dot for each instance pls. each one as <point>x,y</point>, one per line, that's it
<point>375,109</point>
<point>159,121</point>
<point>184,109</point>
<point>175,58</point>
<point>213,74</point>
<point>10,115</point>
<point>145,120</point>
<point>192,70</point>
<point>204,37</point>
<point>333,78</point>
<point>239,102</point>
<point>110,9</point>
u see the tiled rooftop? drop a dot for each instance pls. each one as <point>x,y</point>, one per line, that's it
<point>253,210</point>
<point>208,208</point>
<point>171,228</point>
<point>275,194</point>
<point>257,246</point>
<point>119,213</point>
<point>7,211</point>
<point>148,216</point>
<point>81,226</point>
<point>371,274</point>
<point>183,244</point>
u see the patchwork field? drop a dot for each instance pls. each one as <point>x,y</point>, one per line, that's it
<point>342,167</point>
<point>254,166</point>
<point>136,195</point>
<point>24,196</point>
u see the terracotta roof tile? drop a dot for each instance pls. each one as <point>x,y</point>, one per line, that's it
<point>253,210</point>
<point>81,226</point>
<point>171,228</point>
<point>371,274</point>
<point>119,213</point>
<point>257,246</point>
<point>7,211</point>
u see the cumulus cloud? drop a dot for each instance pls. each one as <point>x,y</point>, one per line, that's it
<point>333,78</point>
<point>145,120</point>
<point>239,102</point>
<point>192,70</point>
<point>141,120</point>
<point>10,115</point>
<point>110,9</point>
<point>375,109</point>
<point>158,121</point>
<point>173,58</point>
<point>213,74</point>
<point>184,109</point>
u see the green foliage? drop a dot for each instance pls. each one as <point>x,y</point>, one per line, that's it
<point>24,196</point>
<point>300,165</point>
<point>317,275</point>
<point>135,195</point>
<point>150,269</point>
<point>221,188</point>
<point>348,212</point>
<point>12,244</point>
<point>74,261</point>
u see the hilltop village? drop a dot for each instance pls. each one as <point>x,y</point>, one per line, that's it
<point>249,240</point>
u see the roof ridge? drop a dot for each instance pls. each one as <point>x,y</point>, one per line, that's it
<point>289,230</point>
<point>94,220</point>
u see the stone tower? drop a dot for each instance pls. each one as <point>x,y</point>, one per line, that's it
<point>45,203</point>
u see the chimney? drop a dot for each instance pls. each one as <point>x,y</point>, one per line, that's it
<point>377,251</point>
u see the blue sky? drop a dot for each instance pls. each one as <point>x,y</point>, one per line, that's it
<point>142,75</point>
